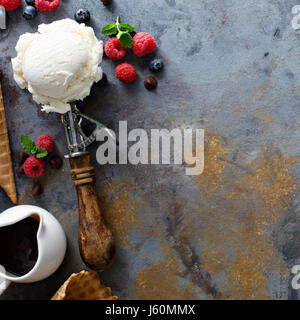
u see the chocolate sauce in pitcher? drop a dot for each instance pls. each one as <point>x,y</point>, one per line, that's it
<point>18,246</point>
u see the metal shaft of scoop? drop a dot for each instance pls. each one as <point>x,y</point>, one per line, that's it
<point>73,132</point>
<point>2,18</point>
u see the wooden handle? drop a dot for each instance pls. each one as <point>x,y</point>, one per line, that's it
<point>96,242</point>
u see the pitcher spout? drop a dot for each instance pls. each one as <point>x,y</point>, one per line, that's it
<point>17,214</point>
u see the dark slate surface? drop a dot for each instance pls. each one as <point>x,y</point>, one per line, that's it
<point>232,68</point>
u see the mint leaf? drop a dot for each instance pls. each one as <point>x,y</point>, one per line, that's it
<point>125,39</point>
<point>126,27</point>
<point>30,147</point>
<point>34,150</point>
<point>27,144</point>
<point>41,153</point>
<point>109,29</point>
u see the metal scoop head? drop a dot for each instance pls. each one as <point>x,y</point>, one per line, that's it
<point>77,139</point>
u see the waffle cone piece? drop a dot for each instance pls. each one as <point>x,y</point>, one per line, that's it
<point>7,180</point>
<point>84,286</point>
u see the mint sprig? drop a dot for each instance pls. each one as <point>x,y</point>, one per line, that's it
<point>125,39</point>
<point>41,153</point>
<point>126,27</point>
<point>30,147</point>
<point>109,29</point>
<point>122,30</point>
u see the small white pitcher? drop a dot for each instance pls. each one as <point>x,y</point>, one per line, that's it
<point>51,241</point>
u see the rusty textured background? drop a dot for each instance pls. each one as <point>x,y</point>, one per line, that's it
<point>232,68</point>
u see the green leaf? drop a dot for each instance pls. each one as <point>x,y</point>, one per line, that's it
<point>41,153</point>
<point>30,147</point>
<point>126,27</point>
<point>109,29</point>
<point>27,144</point>
<point>34,150</point>
<point>126,39</point>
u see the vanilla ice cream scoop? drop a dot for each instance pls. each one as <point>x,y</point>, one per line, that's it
<point>58,64</point>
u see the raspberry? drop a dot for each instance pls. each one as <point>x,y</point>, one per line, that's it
<point>114,50</point>
<point>125,72</point>
<point>47,5</point>
<point>143,44</point>
<point>34,167</point>
<point>45,141</point>
<point>10,5</point>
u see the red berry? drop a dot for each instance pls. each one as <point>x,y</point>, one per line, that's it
<point>114,50</point>
<point>34,167</point>
<point>45,141</point>
<point>125,72</point>
<point>47,5</point>
<point>10,5</point>
<point>143,44</point>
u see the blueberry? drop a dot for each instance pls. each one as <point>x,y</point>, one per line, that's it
<point>156,65</point>
<point>29,12</point>
<point>31,2</point>
<point>103,82</point>
<point>89,128</point>
<point>82,16</point>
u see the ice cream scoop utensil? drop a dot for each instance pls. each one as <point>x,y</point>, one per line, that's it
<point>96,242</point>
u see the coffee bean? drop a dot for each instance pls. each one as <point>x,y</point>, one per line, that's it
<point>22,156</point>
<point>55,162</point>
<point>150,83</point>
<point>20,171</point>
<point>106,2</point>
<point>37,189</point>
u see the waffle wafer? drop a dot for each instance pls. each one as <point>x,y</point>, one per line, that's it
<point>84,286</point>
<point>7,180</point>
